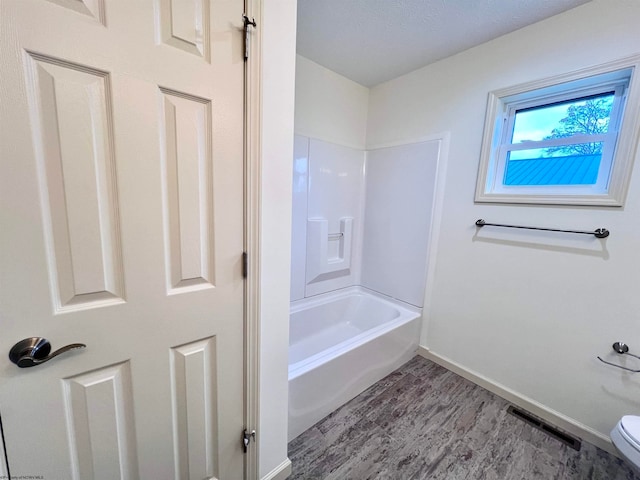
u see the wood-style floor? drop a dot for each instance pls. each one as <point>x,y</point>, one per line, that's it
<point>425,422</point>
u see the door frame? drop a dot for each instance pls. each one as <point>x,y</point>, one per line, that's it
<point>252,220</point>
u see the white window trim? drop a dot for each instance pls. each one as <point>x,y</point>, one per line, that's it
<point>628,132</point>
<point>609,140</point>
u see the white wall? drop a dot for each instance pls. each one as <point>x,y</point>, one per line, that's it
<point>278,77</point>
<point>400,187</point>
<point>329,106</point>
<point>527,310</point>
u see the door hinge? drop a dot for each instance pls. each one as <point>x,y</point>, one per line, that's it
<point>247,437</point>
<point>245,264</point>
<point>247,23</point>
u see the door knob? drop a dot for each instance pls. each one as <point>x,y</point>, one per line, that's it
<point>33,351</point>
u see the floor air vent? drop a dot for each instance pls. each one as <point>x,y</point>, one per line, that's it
<point>550,430</point>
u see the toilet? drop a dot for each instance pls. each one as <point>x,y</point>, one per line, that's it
<point>626,438</point>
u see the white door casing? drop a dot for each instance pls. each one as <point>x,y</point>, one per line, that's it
<point>121,227</point>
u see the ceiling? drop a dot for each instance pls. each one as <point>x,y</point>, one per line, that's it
<point>372,41</point>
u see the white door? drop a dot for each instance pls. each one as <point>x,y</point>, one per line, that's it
<point>121,190</point>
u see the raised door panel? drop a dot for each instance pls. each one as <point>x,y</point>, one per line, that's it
<point>195,410</point>
<point>73,136</point>
<point>183,24</point>
<point>91,8</point>
<point>99,411</point>
<point>187,191</point>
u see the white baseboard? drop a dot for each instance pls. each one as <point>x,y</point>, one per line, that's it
<point>555,418</point>
<point>281,472</point>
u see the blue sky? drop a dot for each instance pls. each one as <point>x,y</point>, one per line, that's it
<point>537,124</point>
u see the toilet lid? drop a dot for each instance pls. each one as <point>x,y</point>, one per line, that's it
<point>631,425</point>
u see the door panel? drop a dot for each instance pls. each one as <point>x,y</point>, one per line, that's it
<point>101,424</point>
<point>72,128</point>
<point>187,191</point>
<point>195,411</point>
<point>182,25</point>
<point>91,8</point>
<point>121,193</point>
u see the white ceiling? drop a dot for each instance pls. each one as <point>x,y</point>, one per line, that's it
<point>372,41</point>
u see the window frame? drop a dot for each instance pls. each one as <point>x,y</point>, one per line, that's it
<point>617,156</point>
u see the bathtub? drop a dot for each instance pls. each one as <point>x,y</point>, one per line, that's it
<point>340,343</point>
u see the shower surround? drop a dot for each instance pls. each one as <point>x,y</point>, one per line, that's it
<point>360,234</point>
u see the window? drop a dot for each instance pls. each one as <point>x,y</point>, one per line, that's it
<point>565,140</point>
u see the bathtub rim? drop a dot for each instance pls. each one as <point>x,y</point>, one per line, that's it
<point>322,298</point>
<point>407,313</point>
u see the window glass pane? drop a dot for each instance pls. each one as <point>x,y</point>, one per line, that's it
<point>587,115</point>
<point>541,167</point>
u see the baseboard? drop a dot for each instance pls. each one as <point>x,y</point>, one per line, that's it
<point>555,418</point>
<point>281,472</point>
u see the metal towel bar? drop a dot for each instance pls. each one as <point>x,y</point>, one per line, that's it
<point>598,232</point>
<point>622,349</point>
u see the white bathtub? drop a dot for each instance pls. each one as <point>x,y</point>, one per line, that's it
<point>340,343</point>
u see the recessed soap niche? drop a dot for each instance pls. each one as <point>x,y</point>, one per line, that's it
<point>329,253</point>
